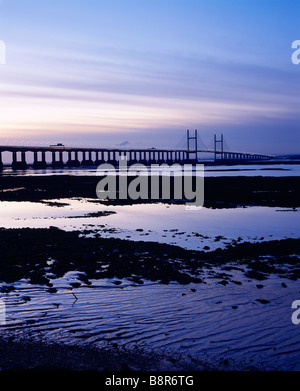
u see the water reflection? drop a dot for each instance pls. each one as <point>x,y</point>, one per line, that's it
<point>159,222</point>
<point>270,170</point>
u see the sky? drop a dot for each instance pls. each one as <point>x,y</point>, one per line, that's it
<point>101,72</point>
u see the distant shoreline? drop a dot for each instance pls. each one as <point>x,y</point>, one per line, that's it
<point>207,163</point>
<point>219,192</point>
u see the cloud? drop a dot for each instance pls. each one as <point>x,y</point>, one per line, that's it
<point>92,89</point>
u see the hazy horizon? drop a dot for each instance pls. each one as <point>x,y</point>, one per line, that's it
<point>101,73</point>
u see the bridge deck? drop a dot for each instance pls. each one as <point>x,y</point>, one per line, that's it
<point>149,155</point>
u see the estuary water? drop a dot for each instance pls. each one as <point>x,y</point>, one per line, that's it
<point>247,324</point>
<point>171,224</point>
<point>274,170</point>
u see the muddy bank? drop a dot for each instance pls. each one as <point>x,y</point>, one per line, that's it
<point>25,353</point>
<point>28,354</point>
<point>219,192</point>
<point>36,254</point>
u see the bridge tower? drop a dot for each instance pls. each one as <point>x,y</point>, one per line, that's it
<point>221,142</point>
<point>195,139</point>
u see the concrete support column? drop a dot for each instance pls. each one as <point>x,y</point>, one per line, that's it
<point>17,165</point>
<point>39,164</point>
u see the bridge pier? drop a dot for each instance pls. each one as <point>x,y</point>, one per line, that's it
<point>111,158</point>
<point>39,164</point>
<point>133,157</point>
<point>143,158</point>
<point>19,165</point>
<point>99,158</point>
<point>73,162</point>
<point>87,161</point>
<point>57,163</point>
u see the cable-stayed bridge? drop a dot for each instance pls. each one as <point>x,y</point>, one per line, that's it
<point>61,155</point>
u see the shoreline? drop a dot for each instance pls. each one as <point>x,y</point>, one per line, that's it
<point>103,258</point>
<point>31,354</point>
<point>219,192</point>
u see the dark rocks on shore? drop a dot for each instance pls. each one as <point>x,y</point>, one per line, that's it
<point>254,274</point>
<point>262,301</point>
<point>7,289</point>
<point>52,290</point>
<point>25,254</point>
<point>236,191</point>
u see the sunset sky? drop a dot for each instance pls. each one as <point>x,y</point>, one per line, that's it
<point>99,72</point>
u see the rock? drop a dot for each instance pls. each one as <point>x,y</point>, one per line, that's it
<point>52,290</point>
<point>117,282</point>
<point>255,275</point>
<point>37,278</point>
<point>236,282</point>
<point>223,282</point>
<point>75,284</point>
<point>263,301</point>
<point>7,289</point>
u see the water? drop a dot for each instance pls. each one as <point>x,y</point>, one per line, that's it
<point>207,320</point>
<point>171,224</point>
<point>274,170</point>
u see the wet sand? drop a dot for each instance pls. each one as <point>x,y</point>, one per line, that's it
<point>25,254</point>
<point>27,354</point>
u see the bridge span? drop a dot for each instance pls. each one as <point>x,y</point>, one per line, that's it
<point>64,156</point>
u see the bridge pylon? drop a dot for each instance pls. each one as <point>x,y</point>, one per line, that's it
<point>221,143</point>
<point>195,139</point>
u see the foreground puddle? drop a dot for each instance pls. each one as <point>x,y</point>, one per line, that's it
<point>172,224</point>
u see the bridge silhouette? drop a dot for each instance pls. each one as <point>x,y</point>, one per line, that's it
<point>63,156</point>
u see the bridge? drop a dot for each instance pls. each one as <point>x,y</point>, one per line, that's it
<point>63,156</point>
